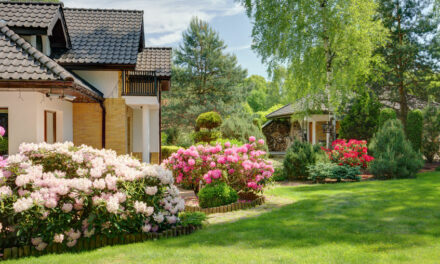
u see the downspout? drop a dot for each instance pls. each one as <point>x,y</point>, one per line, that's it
<point>101,104</point>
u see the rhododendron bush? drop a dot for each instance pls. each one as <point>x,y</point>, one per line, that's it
<point>353,153</point>
<point>57,193</point>
<point>243,168</point>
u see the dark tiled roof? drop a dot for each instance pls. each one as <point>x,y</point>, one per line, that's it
<point>20,61</point>
<point>102,36</point>
<point>155,59</point>
<point>300,106</point>
<point>28,14</point>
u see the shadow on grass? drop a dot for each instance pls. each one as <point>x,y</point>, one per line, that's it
<point>381,215</point>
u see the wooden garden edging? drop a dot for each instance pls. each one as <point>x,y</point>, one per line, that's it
<point>94,242</point>
<point>227,208</point>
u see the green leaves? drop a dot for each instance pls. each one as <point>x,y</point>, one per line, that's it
<point>327,45</point>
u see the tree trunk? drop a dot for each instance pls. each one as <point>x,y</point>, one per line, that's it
<point>402,89</point>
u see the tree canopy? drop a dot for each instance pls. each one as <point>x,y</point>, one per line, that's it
<point>411,55</point>
<point>205,78</point>
<point>327,45</point>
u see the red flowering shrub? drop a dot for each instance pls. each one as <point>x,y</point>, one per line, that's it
<point>353,153</point>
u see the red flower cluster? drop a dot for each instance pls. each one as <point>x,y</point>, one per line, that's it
<point>352,153</point>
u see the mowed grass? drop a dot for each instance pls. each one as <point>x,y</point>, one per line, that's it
<point>369,222</point>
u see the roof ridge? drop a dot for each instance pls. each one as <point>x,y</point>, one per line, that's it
<point>158,48</point>
<point>30,3</point>
<point>105,9</point>
<point>51,65</point>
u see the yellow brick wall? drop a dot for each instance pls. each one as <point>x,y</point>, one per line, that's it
<point>87,124</point>
<point>116,125</point>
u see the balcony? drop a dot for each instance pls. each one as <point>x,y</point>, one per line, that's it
<point>140,83</point>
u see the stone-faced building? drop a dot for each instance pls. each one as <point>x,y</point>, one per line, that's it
<point>289,123</point>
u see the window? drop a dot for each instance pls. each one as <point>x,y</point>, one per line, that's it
<point>39,43</point>
<point>50,126</point>
<point>4,124</point>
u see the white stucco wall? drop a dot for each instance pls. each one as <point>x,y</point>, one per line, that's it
<point>105,81</point>
<point>26,117</point>
<point>154,130</point>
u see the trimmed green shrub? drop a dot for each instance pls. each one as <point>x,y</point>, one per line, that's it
<point>321,171</point>
<point>192,218</point>
<point>222,141</point>
<point>209,120</point>
<point>298,156</point>
<point>206,136</point>
<point>386,114</point>
<point>414,128</point>
<point>216,194</point>
<point>240,128</point>
<point>437,169</point>
<point>362,118</point>
<point>168,150</point>
<point>431,132</point>
<point>394,156</point>
<point>205,124</point>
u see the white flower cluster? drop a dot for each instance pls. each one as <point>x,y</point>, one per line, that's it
<point>61,178</point>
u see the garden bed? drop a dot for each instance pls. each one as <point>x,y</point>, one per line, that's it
<point>94,242</point>
<point>227,208</point>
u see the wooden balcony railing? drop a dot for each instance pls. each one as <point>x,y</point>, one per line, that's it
<point>140,83</point>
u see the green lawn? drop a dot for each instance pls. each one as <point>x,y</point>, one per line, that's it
<point>370,222</point>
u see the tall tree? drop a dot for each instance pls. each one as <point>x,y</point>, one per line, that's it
<point>205,78</point>
<point>327,44</point>
<point>257,96</point>
<point>411,53</point>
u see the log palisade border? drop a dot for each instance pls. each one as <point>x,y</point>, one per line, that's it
<point>227,208</point>
<point>95,242</point>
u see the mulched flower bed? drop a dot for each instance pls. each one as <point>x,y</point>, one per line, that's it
<point>94,242</point>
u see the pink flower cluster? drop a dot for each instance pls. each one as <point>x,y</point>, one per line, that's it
<point>352,153</point>
<point>84,191</point>
<point>243,168</point>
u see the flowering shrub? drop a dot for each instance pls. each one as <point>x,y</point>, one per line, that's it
<point>353,153</point>
<point>242,168</point>
<point>57,193</point>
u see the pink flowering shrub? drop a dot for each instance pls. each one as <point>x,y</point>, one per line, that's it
<point>353,153</point>
<point>243,168</point>
<point>57,193</point>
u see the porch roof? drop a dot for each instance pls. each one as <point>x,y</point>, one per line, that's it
<point>19,61</point>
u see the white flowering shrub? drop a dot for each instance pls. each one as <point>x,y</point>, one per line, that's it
<point>57,193</point>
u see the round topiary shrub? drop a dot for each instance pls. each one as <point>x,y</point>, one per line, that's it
<point>58,193</point>
<point>216,194</point>
<point>393,154</point>
<point>209,120</point>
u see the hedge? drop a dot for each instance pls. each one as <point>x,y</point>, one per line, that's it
<point>168,150</point>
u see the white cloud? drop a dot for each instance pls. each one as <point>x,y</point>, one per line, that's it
<point>167,19</point>
<point>243,47</point>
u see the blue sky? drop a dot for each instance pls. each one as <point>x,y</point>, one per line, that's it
<point>165,20</point>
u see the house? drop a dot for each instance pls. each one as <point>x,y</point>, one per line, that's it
<point>291,122</point>
<point>81,75</point>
